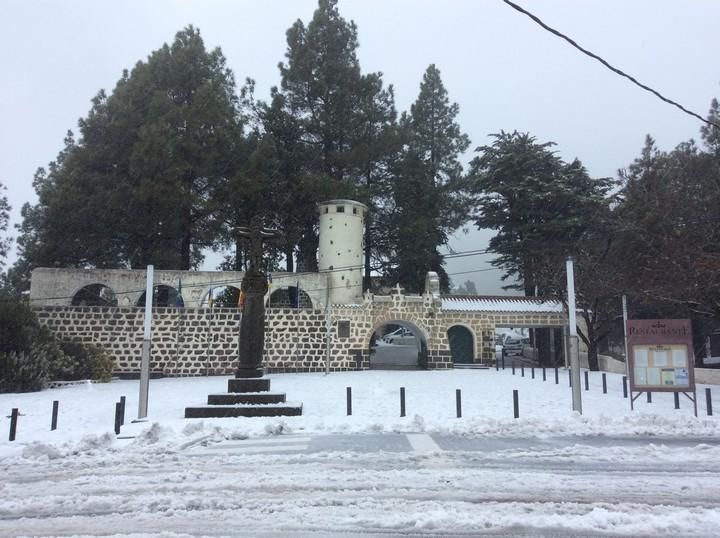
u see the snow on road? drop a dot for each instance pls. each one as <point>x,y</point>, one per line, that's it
<point>262,477</point>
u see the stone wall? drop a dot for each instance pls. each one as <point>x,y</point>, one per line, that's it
<point>203,341</point>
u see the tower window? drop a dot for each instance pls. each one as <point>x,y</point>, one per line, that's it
<point>326,210</point>
<point>340,209</point>
<point>354,210</point>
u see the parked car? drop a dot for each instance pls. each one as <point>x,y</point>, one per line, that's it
<point>513,346</point>
<point>401,336</point>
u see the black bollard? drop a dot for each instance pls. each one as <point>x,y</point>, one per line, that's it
<point>708,402</point>
<point>544,378</point>
<point>522,370</point>
<point>503,361</point>
<point>117,418</point>
<point>402,401</point>
<point>624,386</point>
<point>587,380</point>
<point>458,403</point>
<point>348,398</point>
<point>649,397</point>
<point>497,365</point>
<point>122,410</point>
<point>516,404</point>
<point>532,372</point>
<point>53,420</point>
<point>557,379</point>
<point>570,377</point>
<point>13,423</point>
<point>604,383</point>
<point>676,395</point>
<point>513,368</point>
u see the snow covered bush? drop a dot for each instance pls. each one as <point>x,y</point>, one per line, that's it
<point>22,371</point>
<point>82,361</point>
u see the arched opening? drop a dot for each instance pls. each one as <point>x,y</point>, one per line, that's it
<point>289,297</point>
<point>94,295</point>
<point>398,345</point>
<point>462,344</point>
<point>163,296</point>
<point>222,297</point>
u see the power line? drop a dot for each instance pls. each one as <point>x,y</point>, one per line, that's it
<point>606,64</point>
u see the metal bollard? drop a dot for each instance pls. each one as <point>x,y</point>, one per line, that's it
<point>587,380</point>
<point>13,423</point>
<point>122,410</point>
<point>348,398</point>
<point>557,378</point>
<point>708,401</point>
<point>624,386</point>
<point>604,380</point>
<point>513,367</point>
<point>570,377</point>
<point>544,378</point>
<point>522,370</point>
<point>402,401</point>
<point>458,403</point>
<point>117,418</point>
<point>53,420</point>
<point>676,396</point>
<point>516,404</point>
<point>532,372</point>
<point>649,397</point>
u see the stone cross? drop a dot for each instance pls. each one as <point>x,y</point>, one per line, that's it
<point>254,287</point>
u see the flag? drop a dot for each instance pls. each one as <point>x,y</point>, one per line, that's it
<point>269,280</point>
<point>241,300</point>
<point>210,298</point>
<point>179,303</point>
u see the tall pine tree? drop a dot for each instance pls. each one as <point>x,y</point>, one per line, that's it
<point>428,193</point>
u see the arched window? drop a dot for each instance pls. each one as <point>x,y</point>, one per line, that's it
<point>94,295</point>
<point>289,297</point>
<point>163,296</point>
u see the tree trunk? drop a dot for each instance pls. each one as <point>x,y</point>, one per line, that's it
<point>185,252</point>
<point>289,262</point>
<point>593,363</point>
<point>238,263</point>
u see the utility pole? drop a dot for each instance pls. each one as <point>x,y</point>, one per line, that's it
<point>574,348</point>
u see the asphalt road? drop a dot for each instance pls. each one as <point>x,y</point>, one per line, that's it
<point>386,484</point>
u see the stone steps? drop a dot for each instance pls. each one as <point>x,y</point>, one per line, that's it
<point>219,411</point>
<point>230,398</point>
<point>246,397</point>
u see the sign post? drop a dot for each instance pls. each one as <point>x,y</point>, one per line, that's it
<point>145,358</point>
<point>574,347</point>
<point>660,357</point>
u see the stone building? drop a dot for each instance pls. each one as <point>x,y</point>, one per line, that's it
<point>314,321</point>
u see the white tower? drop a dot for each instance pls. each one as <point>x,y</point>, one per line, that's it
<point>340,249</point>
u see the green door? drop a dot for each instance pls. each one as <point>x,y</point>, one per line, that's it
<point>461,345</point>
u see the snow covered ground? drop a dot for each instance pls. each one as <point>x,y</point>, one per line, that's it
<point>653,471</point>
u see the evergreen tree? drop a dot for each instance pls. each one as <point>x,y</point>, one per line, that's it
<point>137,187</point>
<point>428,193</point>
<point>4,219</point>
<point>539,205</point>
<point>332,130</point>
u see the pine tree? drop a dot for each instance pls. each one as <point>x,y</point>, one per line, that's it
<point>4,219</point>
<point>137,186</point>
<point>428,193</point>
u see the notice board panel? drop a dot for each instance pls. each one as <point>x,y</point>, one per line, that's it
<point>661,355</point>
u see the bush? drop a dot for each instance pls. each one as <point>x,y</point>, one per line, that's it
<point>22,371</point>
<point>82,361</point>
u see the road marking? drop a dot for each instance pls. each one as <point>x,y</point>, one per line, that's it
<point>422,442</point>
<point>250,450</point>
<point>265,442</point>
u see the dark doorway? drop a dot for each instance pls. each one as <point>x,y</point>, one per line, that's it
<point>461,344</point>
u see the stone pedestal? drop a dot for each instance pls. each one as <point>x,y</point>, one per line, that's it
<point>246,397</point>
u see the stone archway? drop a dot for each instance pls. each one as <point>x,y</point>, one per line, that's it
<point>94,295</point>
<point>398,345</point>
<point>163,296</point>
<point>289,297</point>
<point>462,344</point>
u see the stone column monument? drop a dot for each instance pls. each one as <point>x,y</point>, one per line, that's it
<point>254,287</point>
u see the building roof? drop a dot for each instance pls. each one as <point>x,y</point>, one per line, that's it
<point>498,303</point>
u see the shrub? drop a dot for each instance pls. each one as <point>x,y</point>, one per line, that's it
<point>23,371</point>
<point>82,361</point>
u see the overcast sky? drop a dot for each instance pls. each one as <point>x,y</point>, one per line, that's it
<point>503,70</point>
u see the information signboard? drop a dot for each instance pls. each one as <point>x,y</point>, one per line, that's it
<point>661,355</point>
